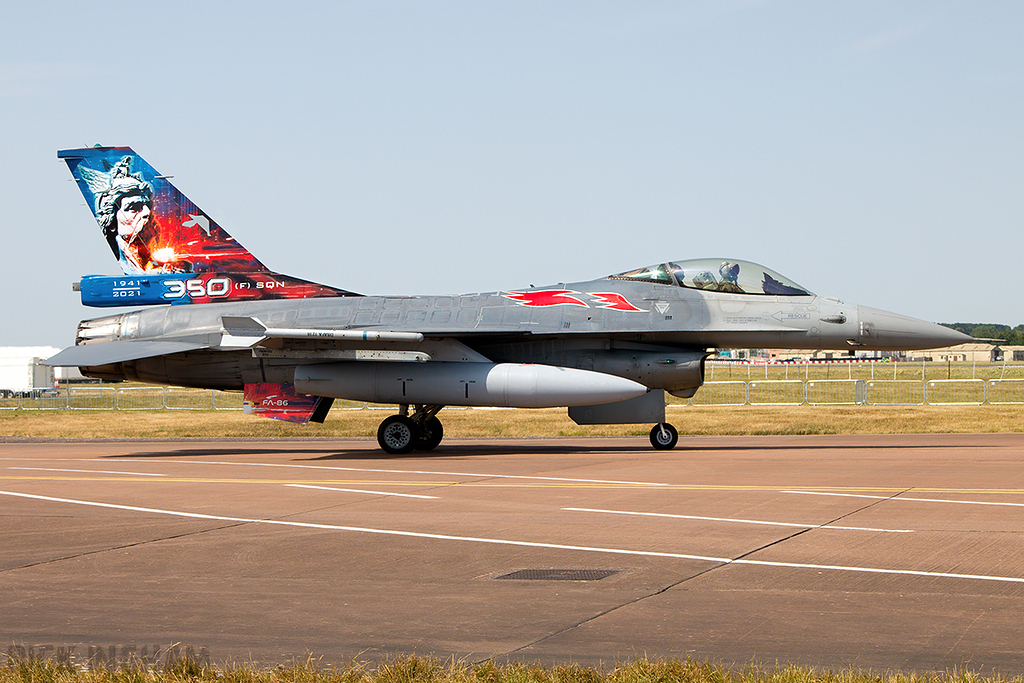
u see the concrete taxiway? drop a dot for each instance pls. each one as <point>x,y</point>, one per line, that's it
<point>885,552</point>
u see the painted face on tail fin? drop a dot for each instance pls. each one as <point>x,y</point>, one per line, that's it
<point>151,227</point>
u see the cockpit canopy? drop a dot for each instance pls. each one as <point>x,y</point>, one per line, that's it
<point>737,277</point>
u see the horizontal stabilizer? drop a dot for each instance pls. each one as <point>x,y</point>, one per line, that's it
<point>105,353</point>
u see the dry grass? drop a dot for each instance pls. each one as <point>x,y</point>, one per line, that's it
<point>740,420</point>
<point>428,670</point>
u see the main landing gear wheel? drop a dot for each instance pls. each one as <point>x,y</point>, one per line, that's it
<point>397,435</point>
<point>664,436</point>
<point>430,434</point>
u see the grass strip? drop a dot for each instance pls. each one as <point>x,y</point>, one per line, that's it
<point>416,669</point>
<point>476,423</point>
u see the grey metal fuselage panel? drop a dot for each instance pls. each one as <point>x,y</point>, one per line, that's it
<point>645,312</point>
<point>638,312</point>
<point>563,324</point>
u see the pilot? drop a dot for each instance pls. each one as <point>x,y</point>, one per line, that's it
<point>730,273</point>
<point>705,280</point>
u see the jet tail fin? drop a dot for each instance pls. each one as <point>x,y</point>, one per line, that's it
<point>155,230</point>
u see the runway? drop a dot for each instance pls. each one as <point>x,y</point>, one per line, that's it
<point>881,552</point>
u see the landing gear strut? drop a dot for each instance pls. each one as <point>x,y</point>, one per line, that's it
<point>664,436</point>
<point>404,433</point>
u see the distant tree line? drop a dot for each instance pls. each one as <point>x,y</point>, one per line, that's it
<point>1013,336</point>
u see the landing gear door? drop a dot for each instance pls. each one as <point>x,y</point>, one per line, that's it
<point>647,408</point>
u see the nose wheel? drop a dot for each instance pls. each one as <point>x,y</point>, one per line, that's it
<point>664,436</point>
<point>403,433</point>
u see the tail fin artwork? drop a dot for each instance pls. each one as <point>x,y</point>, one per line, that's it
<point>169,250</point>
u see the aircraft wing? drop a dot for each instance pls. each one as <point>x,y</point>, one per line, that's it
<point>90,355</point>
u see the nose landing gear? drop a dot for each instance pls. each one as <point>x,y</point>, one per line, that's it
<point>664,436</point>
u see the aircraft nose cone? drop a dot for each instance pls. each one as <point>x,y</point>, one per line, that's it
<point>892,331</point>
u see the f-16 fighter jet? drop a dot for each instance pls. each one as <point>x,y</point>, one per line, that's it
<point>608,349</point>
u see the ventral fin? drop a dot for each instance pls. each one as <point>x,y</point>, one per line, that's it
<point>282,402</point>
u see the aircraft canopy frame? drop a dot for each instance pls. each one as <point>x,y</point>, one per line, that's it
<point>719,275</point>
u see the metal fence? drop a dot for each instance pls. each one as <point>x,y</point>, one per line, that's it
<point>101,397</point>
<point>859,392</point>
<point>895,392</point>
<point>776,392</point>
<point>718,394</point>
<point>1005,391</point>
<point>760,392</point>
<point>955,392</point>
<point>834,392</point>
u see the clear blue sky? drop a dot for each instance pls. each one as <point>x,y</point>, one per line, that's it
<point>872,151</point>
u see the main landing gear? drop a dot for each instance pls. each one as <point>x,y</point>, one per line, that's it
<point>404,433</point>
<point>422,431</point>
<point>664,436</point>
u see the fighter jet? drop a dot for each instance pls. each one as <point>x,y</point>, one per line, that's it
<point>607,349</point>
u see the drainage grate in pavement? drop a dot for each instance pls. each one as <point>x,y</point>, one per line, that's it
<point>560,574</point>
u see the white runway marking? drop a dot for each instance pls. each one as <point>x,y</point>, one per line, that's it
<point>376,493</point>
<point>54,469</point>
<point>743,521</point>
<point>915,500</point>
<point>528,544</point>
<point>444,474</point>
